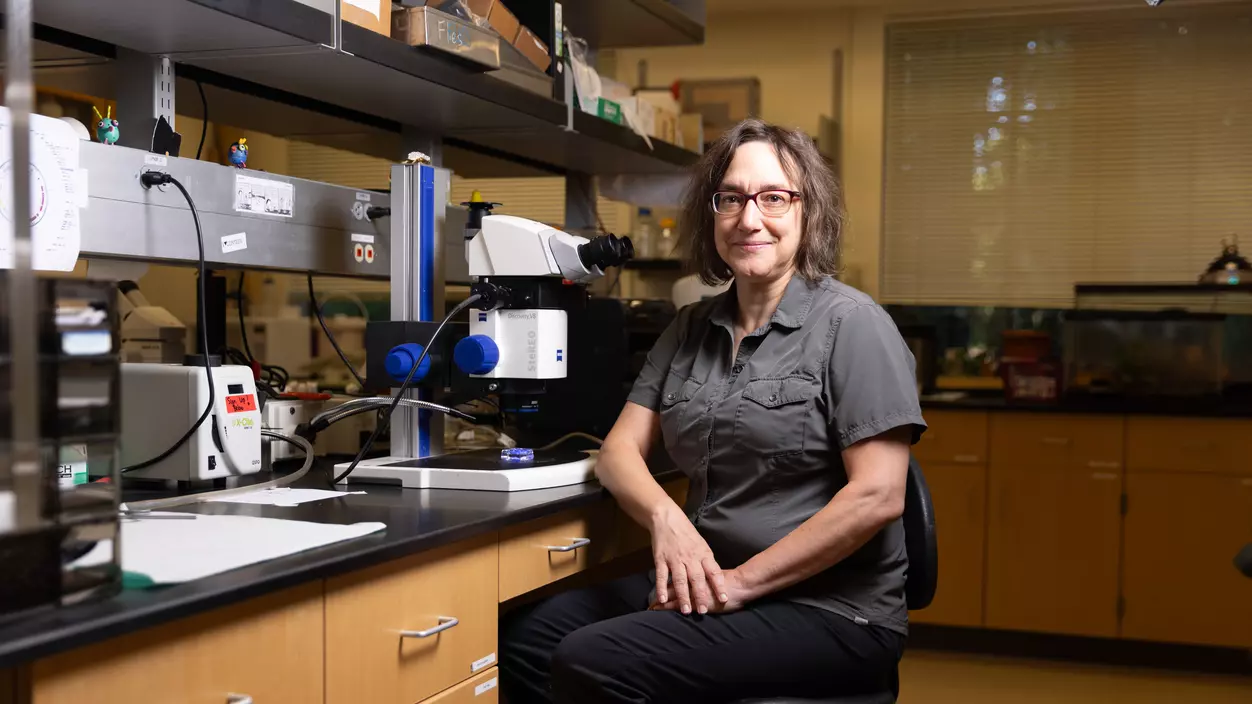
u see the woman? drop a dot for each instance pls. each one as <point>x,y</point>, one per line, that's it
<point>790,403</point>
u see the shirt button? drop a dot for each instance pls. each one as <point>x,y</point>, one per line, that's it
<point>669,397</point>
<point>773,398</point>
<point>737,368</point>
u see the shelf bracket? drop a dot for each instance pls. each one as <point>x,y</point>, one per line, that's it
<point>145,94</point>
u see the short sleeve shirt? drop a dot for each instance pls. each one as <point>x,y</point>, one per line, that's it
<point>760,435</point>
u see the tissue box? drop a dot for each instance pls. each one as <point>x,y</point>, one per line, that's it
<point>609,110</point>
<point>373,15</point>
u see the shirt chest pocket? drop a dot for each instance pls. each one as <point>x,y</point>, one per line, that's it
<point>776,416</point>
<point>679,424</point>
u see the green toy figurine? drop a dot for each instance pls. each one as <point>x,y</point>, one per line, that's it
<point>106,129</point>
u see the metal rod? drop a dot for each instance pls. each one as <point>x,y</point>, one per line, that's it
<point>19,96</point>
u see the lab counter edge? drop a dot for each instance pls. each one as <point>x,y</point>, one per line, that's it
<point>421,520</point>
<point>1148,406</point>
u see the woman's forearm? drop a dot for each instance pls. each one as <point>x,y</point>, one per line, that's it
<point>622,470</point>
<point>851,518</point>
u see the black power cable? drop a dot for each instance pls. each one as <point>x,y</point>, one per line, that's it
<point>317,310</point>
<point>384,421</point>
<point>159,178</point>
<point>204,126</point>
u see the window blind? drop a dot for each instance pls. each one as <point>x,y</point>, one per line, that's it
<point>1024,155</point>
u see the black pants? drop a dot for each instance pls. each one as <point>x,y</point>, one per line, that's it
<point>601,645</point>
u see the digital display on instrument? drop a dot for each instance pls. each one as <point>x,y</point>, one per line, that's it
<point>241,403</point>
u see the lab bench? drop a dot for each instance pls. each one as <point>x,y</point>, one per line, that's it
<point>407,615</point>
<point>1099,520</point>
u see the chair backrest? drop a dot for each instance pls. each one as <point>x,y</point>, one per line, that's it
<point>919,540</point>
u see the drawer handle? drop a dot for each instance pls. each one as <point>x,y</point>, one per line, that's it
<point>1056,441</point>
<point>578,543</point>
<point>965,459</point>
<point>238,699</point>
<point>1097,464</point>
<point>445,622</point>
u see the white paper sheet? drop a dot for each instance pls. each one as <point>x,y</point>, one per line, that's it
<point>283,496</point>
<point>55,184</point>
<point>170,551</point>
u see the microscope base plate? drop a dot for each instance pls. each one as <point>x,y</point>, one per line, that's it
<point>480,474</point>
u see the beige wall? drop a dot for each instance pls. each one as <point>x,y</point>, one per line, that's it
<point>795,64</point>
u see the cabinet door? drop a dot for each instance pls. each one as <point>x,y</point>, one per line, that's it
<point>953,437</point>
<point>403,631</point>
<point>959,493</point>
<point>1053,541</point>
<point>1180,582</point>
<point>269,649</point>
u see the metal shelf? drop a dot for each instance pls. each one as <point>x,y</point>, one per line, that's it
<point>631,23</point>
<point>278,54</point>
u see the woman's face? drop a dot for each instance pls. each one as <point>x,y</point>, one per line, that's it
<point>757,238</point>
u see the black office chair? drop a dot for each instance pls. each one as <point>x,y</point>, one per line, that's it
<point>919,585</point>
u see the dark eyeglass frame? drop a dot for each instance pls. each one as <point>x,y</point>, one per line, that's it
<point>795,196</point>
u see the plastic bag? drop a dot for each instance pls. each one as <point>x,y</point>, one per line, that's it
<point>460,10</point>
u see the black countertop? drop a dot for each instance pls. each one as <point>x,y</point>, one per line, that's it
<point>1155,406</point>
<point>416,520</point>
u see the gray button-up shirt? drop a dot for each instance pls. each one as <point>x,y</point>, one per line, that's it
<point>760,436</point>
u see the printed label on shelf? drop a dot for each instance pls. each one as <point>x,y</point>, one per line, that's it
<point>486,686</point>
<point>366,239</point>
<point>363,196</point>
<point>483,663</point>
<point>155,160</point>
<point>72,469</point>
<point>263,196</point>
<point>235,242</point>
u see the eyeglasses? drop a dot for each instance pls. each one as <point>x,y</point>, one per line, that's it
<point>771,203</point>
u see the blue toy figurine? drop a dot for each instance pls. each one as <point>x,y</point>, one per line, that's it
<point>239,154</point>
<point>106,129</point>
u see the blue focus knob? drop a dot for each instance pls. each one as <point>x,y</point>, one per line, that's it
<point>476,354</point>
<point>400,360</point>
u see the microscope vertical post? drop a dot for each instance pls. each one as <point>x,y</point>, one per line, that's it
<point>419,195</point>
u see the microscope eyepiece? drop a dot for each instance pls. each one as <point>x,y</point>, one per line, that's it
<point>606,251</point>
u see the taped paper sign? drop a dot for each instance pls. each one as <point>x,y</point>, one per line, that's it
<point>263,196</point>
<point>54,193</point>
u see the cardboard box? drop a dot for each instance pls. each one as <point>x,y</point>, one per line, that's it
<point>504,22</point>
<point>371,14</point>
<point>533,48</point>
<point>665,114</point>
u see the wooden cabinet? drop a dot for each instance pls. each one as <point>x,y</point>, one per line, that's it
<point>959,493</point>
<point>1179,580</point>
<point>540,552</point>
<point>953,437</point>
<point>1055,441</point>
<point>406,630</point>
<point>269,649</point>
<point>480,689</point>
<point>1172,444</point>
<point>1053,542</point>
